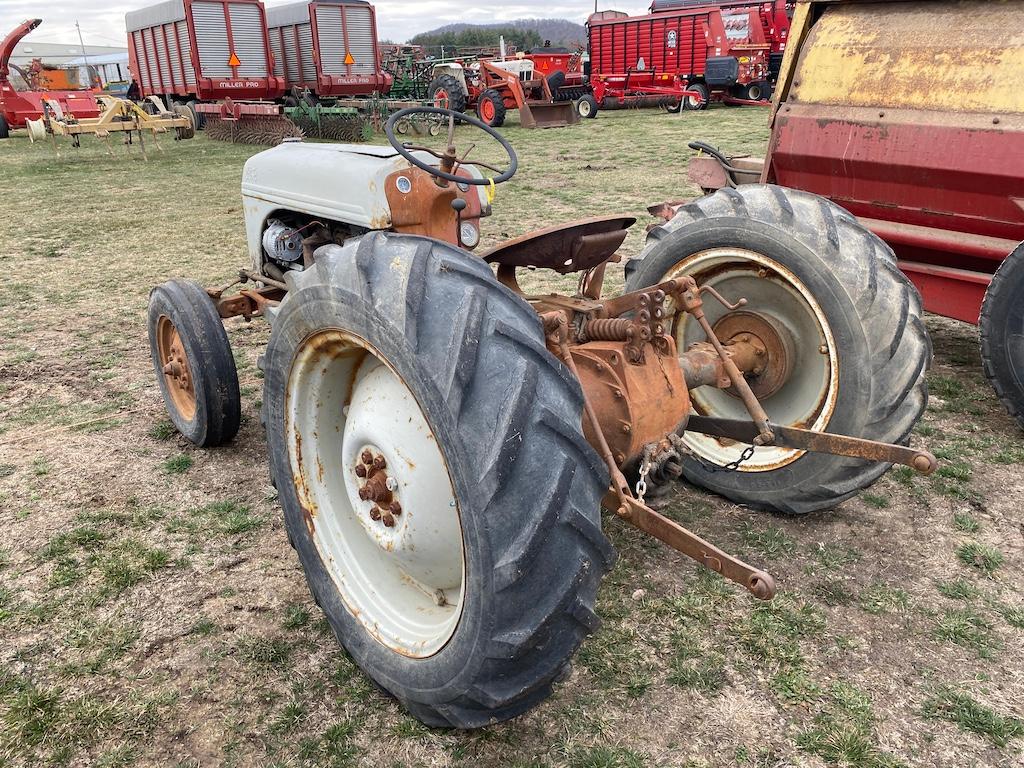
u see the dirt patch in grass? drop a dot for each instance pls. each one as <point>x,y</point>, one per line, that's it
<point>152,612</point>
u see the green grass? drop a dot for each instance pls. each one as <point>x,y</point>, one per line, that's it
<point>219,518</point>
<point>880,598</point>
<point>843,732</point>
<point>965,627</point>
<point>973,717</point>
<point>966,522</point>
<point>178,465</point>
<point>957,589</point>
<point>982,557</point>
<point>270,651</point>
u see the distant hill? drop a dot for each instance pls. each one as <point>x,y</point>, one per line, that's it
<point>561,32</point>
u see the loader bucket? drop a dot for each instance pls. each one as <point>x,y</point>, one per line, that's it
<point>541,114</point>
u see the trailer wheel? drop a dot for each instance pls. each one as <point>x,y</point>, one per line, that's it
<point>754,91</point>
<point>446,92</point>
<point>193,363</point>
<point>182,111</point>
<point>435,480</point>
<point>693,104</point>
<point>490,108</point>
<point>586,107</point>
<point>5,128</point>
<point>1002,334</point>
<point>843,327</point>
<point>198,119</point>
<point>673,107</point>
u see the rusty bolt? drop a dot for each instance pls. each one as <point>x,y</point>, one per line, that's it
<point>659,295</point>
<point>396,508</point>
<point>600,367</point>
<point>626,428</point>
<point>388,520</point>
<point>618,394</point>
<point>762,273</point>
<point>379,462</point>
<point>367,458</point>
<point>364,493</point>
<point>619,458</point>
<point>759,352</point>
<point>360,470</point>
<point>375,513</point>
<point>823,349</point>
<point>995,121</point>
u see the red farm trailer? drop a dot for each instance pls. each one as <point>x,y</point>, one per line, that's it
<point>775,19</point>
<point>328,48</point>
<point>686,57</point>
<point>197,52</point>
<point>18,106</point>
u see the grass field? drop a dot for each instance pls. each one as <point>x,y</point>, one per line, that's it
<point>152,612</point>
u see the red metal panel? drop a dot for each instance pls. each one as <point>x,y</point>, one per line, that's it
<point>956,293</point>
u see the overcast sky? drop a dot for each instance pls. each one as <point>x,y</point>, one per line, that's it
<point>103,23</point>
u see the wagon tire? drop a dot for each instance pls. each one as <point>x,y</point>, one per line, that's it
<point>694,106</point>
<point>587,106</point>
<point>833,290</point>
<point>198,119</point>
<point>5,129</point>
<point>200,389</point>
<point>499,420</point>
<point>1002,334</point>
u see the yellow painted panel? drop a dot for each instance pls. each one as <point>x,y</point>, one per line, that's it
<point>948,55</point>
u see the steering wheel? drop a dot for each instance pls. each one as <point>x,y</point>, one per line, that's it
<point>449,160</point>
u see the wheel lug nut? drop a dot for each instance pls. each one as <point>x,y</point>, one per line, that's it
<point>388,520</point>
<point>360,470</point>
<point>391,484</point>
<point>375,513</point>
<point>396,508</point>
<point>379,463</point>
<point>364,493</point>
<point>367,458</point>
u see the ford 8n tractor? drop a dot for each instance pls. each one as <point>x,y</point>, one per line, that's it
<point>442,441</point>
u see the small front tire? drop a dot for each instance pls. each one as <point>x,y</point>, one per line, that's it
<point>490,108</point>
<point>587,107</point>
<point>193,363</point>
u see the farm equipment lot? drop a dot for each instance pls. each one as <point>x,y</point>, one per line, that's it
<point>152,612</point>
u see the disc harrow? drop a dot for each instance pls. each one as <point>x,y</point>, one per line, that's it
<point>266,131</point>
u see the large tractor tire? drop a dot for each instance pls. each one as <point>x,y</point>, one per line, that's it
<point>490,108</point>
<point>435,480</point>
<point>1002,334</point>
<point>848,349</point>
<point>446,92</point>
<point>5,129</point>
<point>193,363</point>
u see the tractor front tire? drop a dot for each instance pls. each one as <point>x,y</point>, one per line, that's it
<point>587,107</point>
<point>465,593</point>
<point>193,363</point>
<point>1002,334</point>
<point>490,108</point>
<point>446,91</point>
<point>842,324</point>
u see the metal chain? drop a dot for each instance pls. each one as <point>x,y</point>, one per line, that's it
<point>732,466</point>
<point>645,470</point>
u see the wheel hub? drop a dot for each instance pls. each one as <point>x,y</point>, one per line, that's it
<point>377,487</point>
<point>175,367</point>
<point>772,348</point>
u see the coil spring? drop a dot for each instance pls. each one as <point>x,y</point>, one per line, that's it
<point>616,329</point>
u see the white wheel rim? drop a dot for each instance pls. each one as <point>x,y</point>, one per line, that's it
<point>780,294</point>
<point>402,583</point>
<point>584,109</point>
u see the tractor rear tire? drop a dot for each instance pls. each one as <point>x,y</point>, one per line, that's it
<point>5,129</point>
<point>851,321</point>
<point>468,358</point>
<point>201,394</point>
<point>1002,334</point>
<point>454,98</point>
<point>490,108</point>
<point>691,104</point>
<point>587,107</point>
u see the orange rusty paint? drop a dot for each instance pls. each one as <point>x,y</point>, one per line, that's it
<point>635,404</point>
<point>427,208</point>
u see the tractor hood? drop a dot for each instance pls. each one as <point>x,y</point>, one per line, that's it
<point>343,182</point>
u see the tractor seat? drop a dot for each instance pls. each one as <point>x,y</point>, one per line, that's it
<point>572,247</point>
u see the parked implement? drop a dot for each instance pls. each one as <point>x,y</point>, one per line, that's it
<point>442,440</point>
<point>117,116</point>
<point>16,107</point>
<point>923,150</point>
<point>214,57</point>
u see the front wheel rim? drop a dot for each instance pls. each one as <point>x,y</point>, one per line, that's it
<point>808,398</point>
<point>378,500</point>
<point>175,368</point>
<point>584,109</point>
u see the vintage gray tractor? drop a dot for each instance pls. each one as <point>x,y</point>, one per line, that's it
<point>442,442</point>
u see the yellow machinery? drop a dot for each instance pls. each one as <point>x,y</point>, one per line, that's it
<point>116,116</point>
